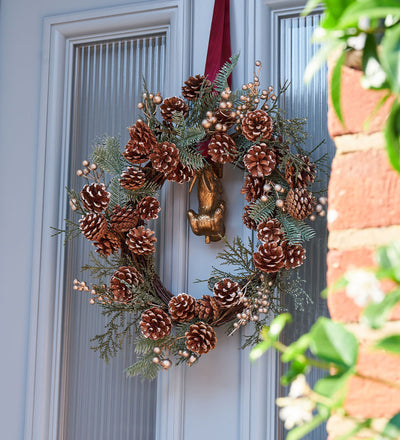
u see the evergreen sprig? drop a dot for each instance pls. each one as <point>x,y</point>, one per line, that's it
<point>221,80</point>
<point>107,156</point>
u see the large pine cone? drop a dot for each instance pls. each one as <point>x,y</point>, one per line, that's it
<point>247,220</point>
<point>155,324</point>
<point>95,197</point>
<point>124,277</point>
<point>93,226</point>
<point>192,87</point>
<point>108,243</point>
<point>165,157</point>
<point>148,208</point>
<point>132,178</point>
<point>201,338</point>
<point>260,161</point>
<point>171,105</point>
<point>222,148</point>
<point>300,174</point>
<point>295,254</point>
<point>181,174</point>
<point>300,203</point>
<point>253,188</point>
<point>182,308</point>
<point>141,143</point>
<point>269,257</point>
<point>227,293</point>
<point>270,230</point>
<point>140,241</point>
<point>207,308</point>
<point>257,125</point>
<point>123,219</point>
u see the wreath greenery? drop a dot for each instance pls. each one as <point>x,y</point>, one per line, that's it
<point>178,140</point>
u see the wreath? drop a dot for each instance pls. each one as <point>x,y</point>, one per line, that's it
<point>190,139</point>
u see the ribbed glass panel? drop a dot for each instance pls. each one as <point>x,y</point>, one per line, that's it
<point>100,403</point>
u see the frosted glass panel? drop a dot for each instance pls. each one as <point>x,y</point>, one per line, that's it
<point>99,401</point>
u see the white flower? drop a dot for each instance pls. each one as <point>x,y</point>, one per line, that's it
<point>374,74</point>
<point>299,387</point>
<point>363,287</point>
<point>357,42</point>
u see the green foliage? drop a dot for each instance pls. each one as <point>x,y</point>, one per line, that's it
<point>148,189</point>
<point>391,430</point>
<point>392,136</point>
<point>221,80</point>
<point>390,343</point>
<point>336,82</point>
<point>376,314</point>
<point>144,367</point>
<point>300,431</point>
<point>261,211</point>
<point>107,156</point>
<point>296,231</point>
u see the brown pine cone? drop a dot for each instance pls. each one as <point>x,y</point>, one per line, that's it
<point>253,188</point>
<point>140,241</point>
<point>300,203</point>
<point>201,338</point>
<point>155,324</point>
<point>295,254</point>
<point>95,197</point>
<point>171,105</point>
<point>247,220</point>
<point>141,143</point>
<point>269,257</point>
<point>165,157</point>
<point>207,308</point>
<point>93,226</point>
<point>180,174</point>
<point>270,230</point>
<point>257,125</point>
<point>225,117</point>
<point>132,178</point>
<point>300,174</point>
<point>108,243</point>
<point>227,293</point>
<point>124,277</point>
<point>182,308</point>
<point>193,85</point>
<point>222,148</point>
<point>148,208</point>
<point>260,161</point>
<point>123,219</point>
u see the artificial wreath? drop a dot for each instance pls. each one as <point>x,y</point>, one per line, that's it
<point>181,140</point>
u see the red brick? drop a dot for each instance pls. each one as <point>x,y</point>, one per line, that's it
<point>363,191</point>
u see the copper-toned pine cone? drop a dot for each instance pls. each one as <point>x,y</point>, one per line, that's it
<point>257,125</point>
<point>253,188</point>
<point>260,160</point>
<point>165,157</point>
<point>108,243</point>
<point>225,117</point>
<point>155,324</point>
<point>295,254</point>
<point>181,174</point>
<point>132,178</point>
<point>201,338</point>
<point>93,226</point>
<point>207,308</point>
<point>270,230</point>
<point>95,197</point>
<point>171,105</point>
<point>123,219</point>
<point>300,203</point>
<point>182,308</point>
<point>140,241</point>
<point>302,175</point>
<point>247,220</point>
<point>148,208</point>
<point>222,148</point>
<point>227,293</point>
<point>269,257</point>
<point>124,277</point>
<point>141,143</point>
<point>192,87</point>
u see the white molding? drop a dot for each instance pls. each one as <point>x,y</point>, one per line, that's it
<point>61,33</point>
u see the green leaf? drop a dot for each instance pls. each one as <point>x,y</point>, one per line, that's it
<point>310,6</point>
<point>260,349</point>
<point>298,366</point>
<point>388,258</point>
<point>392,136</point>
<point>392,428</point>
<point>334,10</point>
<point>278,324</point>
<point>300,431</point>
<point>296,348</point>
<point>390,56</point>
<point>333,387</point>
<point>376,314</point>
<point>374,76</point>
<point>355,430</point>
<point>336,86</point>
<point>367,8</point>
<point>390,343</point>
<point>331,342</point>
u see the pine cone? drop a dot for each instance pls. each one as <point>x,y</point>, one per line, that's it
<point>295,254</point>
<point>260,161</point>
<point>222,148</point>
<point>201,338</point>
<point>93,226</point>
<point>181,174</point>
<point>269,257</point>
<point>123,219</point>
<point>247,220</point>
<point>270,230</point>
<point>108,243</point>
<point>182,308</point>
<point>171,105</point>
<point>141,143</point>
<point>132,178</point>
<point>165,157</point>
<point>207,308</point>
<point>300,203</point>
<point>124,277</point>
<point>301,175</point>
<point>155,324</point>
<point>193,86</point>
<point>95,197</point>
<point>227,293</point>
<point>257,125</point>
<point>148,208</point>
<point>253,188</point>
<point>140,241</point>
<point>225,117</point>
